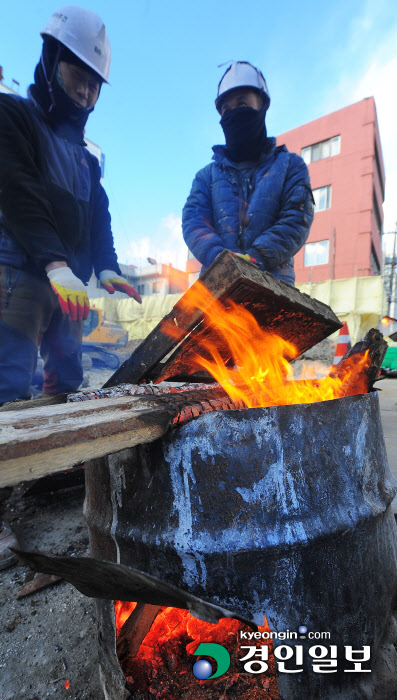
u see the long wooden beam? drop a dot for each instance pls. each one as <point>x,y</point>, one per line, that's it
<point>42,440</point>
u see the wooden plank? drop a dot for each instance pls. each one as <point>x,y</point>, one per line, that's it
<point>135,629</point>
<point>41,441</point>
<point>39,450</point>
<point>28,467</point>
<point>277,306</point>
<point>22,404</point>
<point>47,428</point>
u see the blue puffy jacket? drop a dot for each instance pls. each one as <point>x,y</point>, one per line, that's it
<point>52,203</point>
<point>270,219</point>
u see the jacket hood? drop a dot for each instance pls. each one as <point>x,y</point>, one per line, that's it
<point>61,112</point>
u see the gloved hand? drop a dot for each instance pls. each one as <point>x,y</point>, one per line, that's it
<point>71,293</point>
<point>245,256</point>
<point>112,282</point>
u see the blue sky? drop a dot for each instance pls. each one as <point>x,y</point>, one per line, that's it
<point>157,122</point>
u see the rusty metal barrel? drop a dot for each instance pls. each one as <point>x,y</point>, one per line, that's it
<point>282,511</point>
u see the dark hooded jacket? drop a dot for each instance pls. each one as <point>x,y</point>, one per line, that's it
<point>52,204</point>
<point>267,216</point>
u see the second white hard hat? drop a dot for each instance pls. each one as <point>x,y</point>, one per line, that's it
<point>241,74</point>
<point>83,33</point>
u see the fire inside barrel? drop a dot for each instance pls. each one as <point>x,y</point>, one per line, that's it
<point>253,368</point>
<point>162,666</point>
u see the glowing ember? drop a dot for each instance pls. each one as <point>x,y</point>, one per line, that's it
<point>122,611</point>
<point>262,374</point>
<point>164,662</point>
<point>67,685</point>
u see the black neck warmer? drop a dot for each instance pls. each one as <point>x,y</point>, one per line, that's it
<point>65,116</point>
<point>245,132</point>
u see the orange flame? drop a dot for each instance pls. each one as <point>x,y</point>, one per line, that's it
<point>262,374</point>
<point>122,611</point>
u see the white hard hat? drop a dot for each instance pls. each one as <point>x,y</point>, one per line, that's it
<point>242,74</point>
<point>83,33</point>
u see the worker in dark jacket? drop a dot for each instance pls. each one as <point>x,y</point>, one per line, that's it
<point>255,198</point>
<point>54,217</point>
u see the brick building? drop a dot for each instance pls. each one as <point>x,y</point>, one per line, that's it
<point>344,156</point>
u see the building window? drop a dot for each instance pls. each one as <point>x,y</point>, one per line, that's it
<point>374,262</point>
<point>140,289</point>
<point>157,287</point>
<point>379,171</point>
<point>324,149</point>
<point>376,212</point>
<point>322,198</point>
<point>316,253</point>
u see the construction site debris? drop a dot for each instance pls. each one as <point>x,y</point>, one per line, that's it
<point>38,584</point>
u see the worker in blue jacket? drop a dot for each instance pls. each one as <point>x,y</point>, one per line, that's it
<point>254,198</point>
<point>54,216</point>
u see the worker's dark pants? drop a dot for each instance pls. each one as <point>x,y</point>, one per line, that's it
<point>31,318</point>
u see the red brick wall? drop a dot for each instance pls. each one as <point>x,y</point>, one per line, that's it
<point>350,223</point>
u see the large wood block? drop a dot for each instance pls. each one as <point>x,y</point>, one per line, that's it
<point>277,306</point>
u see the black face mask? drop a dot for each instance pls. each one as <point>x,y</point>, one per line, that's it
<point>245,132</point>
<point>65,116</point>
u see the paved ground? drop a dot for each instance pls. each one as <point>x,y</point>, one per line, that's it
<point>388,407</point>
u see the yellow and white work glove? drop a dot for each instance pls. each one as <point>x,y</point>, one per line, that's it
<point>245,256</point>
<point>71,293</point>
<point>113,282</point>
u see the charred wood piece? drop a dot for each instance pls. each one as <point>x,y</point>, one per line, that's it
<point>132,390</point>
<point>376,346</point>
<point>103,579</point>
<point>198,409</point>
<point>135,629</point>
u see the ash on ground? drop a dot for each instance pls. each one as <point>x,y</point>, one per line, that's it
<point>49,637</point>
